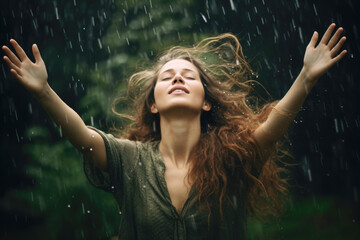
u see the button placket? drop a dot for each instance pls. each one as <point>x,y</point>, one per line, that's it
<point>180,230</point>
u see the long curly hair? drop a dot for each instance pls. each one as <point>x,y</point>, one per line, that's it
<point>227,155</point>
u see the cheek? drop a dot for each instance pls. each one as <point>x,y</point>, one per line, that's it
<point>200,91</point>
<point>158,91</point>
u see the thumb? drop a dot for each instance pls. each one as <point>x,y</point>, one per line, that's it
<point>36,53</point>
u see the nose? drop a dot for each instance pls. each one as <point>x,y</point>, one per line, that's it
<point>178,79</point>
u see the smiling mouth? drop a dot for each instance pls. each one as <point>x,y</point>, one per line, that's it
<point>179,90</point>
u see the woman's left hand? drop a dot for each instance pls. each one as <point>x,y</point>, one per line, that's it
<point>319,59</point>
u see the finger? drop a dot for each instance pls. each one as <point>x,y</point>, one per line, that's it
<point>15,74</point>
<point>11,55</point>
<point>20,52</point>
<point>12,65</point>
<point>313,40</point>
<point>337,47</point>
<point>36,53</point>
<point>327,34</point>
<point>339,57</point>
<point>335,38</point>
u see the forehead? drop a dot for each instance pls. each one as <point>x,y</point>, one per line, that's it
<point>178,65</point>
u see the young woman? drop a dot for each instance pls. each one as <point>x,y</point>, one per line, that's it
<point>201,154</point>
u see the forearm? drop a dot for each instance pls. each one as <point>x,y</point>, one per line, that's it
<point>318,59</point>
<point>70,123</point>
<point>33,76</point>
<point>296,95</point>
<point>285,111</point>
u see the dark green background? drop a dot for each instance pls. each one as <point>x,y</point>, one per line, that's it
<point>91,47</point>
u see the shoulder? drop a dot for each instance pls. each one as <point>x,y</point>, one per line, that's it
<point>135,149</point>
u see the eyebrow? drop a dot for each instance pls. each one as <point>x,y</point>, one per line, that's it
<point>184,69</point>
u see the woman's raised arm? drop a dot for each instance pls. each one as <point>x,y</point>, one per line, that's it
<point>318,59</point>
<point>33,76</point>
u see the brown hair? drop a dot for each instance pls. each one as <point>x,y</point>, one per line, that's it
<point>227,155</point>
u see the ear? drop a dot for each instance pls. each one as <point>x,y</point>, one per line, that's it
<point>206,106</point>
<point>154,109</point>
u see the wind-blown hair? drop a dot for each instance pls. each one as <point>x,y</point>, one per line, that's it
<point>227,155</point>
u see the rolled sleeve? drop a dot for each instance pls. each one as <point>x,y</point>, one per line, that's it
<point>120,157</point>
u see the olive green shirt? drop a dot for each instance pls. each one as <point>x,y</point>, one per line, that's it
<point>135,177</point>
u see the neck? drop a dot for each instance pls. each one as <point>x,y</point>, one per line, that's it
<point>179,135</point>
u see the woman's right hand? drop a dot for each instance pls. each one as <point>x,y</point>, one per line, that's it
<point>32,75</point>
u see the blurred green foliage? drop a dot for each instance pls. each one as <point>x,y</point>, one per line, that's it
<point>61,200</point>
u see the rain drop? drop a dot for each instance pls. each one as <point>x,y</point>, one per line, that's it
<point>315,9</point>
<point>99,42</point>
<point>232,5</point>
<point>301,35</point>
<point>336,125</point>
<point>56,13</point>
<point>204,18</point>
<point>30,108</point>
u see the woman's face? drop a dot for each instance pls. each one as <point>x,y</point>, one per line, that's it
<point>179,86</point>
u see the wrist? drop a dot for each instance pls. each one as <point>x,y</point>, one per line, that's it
<point>308,80</point>
<point>44,93</point>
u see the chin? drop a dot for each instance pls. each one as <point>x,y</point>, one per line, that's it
<point>181,108</point>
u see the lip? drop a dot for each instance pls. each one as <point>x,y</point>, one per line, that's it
<point>179,88</point>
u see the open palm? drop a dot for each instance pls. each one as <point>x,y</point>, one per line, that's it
<point>319,59</point>
<point>32,75</point>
